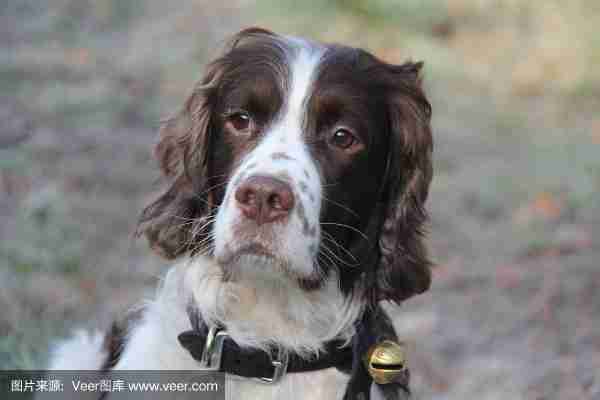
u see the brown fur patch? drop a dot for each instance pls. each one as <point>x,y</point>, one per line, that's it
<point>115,339</point>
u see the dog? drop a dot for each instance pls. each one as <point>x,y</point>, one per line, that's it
<point>296,175</point>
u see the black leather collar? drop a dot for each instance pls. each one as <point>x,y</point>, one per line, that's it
<point>255,363</point>
<point>251,363</point>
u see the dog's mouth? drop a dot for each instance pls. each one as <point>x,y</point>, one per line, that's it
<point>257,260</point>
<point>232,256</point>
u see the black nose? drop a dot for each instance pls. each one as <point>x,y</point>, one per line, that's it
<point>264,199</point>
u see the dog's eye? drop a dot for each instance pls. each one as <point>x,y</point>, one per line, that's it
<point>239,121</point>
<point>343,139</point>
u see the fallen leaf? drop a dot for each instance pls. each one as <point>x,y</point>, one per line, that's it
<point>596,131</point>
<point>546,205</point>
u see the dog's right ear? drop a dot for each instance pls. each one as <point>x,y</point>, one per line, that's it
<point>174,221</point>
<point>179,218</point>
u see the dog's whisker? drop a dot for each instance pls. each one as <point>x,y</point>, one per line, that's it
<point>348,227</point>
<point>341,260</point>
<point>328,259</point>
<point>198,229</point>
<point>217,176</point>
<point>324,246</point>
<point>212,187</point>
<point>198,196</point>
<point>331,257</point>
<point>207,240</point>
<point>339,246</point>
<point>206,220</point>
<point>194,233</point>
<point>343,207</point>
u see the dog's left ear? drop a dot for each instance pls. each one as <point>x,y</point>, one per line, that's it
<point>404,268</point>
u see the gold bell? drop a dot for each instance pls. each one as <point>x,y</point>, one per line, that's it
<point>385,362</point>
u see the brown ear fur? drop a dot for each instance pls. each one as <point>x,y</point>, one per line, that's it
<point>179,218</point>
<point>181,154</point>
<point>404,268</point>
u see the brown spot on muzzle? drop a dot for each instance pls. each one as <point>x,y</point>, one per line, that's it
<point>303,186</point>
<point>306,228</point>
<point>281,156</point>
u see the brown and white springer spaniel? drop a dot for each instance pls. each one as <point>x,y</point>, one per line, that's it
<point>296,174</point>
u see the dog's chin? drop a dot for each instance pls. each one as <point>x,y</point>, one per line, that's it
<point>255,261</point>
<point>232,256</point>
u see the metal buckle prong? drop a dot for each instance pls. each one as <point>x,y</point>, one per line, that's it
<point>213,349</point>
<point>280,364</point>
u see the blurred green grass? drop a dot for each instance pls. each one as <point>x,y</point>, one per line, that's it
<point>515,47</point>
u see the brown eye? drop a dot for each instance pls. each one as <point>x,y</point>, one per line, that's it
<point>343,139</point>
<point>239,121</point>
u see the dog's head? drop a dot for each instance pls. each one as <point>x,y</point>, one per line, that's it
<point>305,156</point>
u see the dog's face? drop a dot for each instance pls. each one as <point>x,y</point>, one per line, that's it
<point>303,156</point>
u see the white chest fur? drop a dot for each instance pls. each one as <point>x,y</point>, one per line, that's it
<point>257,316</point>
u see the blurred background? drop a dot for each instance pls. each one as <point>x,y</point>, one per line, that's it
<point>514,311</point>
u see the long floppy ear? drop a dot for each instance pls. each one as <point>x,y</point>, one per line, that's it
<point>404,268</point>
<point>173,220</point>
<point>179,218</point>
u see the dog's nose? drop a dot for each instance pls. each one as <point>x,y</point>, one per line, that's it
<point>264,199</point>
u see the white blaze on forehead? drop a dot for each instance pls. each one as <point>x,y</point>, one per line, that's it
<point>304,64</point>
<point>285,135</point>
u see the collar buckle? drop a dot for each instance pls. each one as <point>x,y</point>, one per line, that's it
<point>213,352</point>
<point>280,365</point>
<point>213,349</point>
